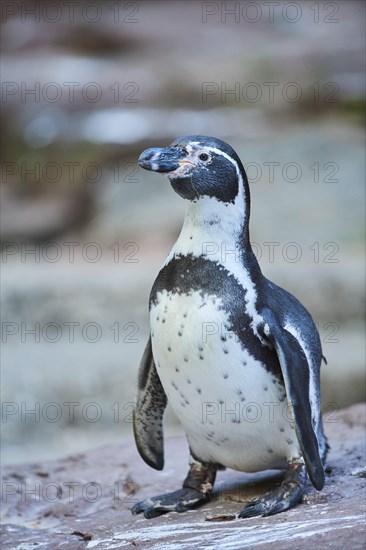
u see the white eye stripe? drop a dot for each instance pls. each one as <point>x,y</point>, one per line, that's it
<point>207,149</point>
<point>219,152</point>
<point>190,149</point>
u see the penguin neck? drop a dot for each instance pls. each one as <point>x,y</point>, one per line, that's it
<point>208,218</point>
<point>217,231</point>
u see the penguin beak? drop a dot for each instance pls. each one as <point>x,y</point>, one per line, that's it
<point>162,160</point>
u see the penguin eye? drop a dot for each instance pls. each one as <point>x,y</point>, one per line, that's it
<point>203,156</point>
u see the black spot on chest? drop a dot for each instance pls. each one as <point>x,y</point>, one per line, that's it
<point>213,280</point>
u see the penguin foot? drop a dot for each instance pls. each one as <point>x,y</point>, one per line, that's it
<point>286,496</point>
<point>197,489</point>
<point>178,501</point>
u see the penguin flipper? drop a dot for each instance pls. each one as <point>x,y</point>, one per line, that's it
<point>151,401</point>
<point>296,375</point>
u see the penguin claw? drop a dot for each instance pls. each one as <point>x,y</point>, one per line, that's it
<point>265,508</point>
<point>287,495</point>
<point>178,501</point>
<point>281,499</point>
<point>252,509</point>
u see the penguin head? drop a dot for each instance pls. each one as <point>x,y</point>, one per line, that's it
<point>197,167</point>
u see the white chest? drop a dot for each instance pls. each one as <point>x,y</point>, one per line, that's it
<point>232,409</point>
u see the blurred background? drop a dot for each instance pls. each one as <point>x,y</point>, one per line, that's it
<point>85,88</point>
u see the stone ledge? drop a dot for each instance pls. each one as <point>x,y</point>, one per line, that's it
<point>84,501</point>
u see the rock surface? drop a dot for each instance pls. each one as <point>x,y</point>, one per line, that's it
<point>84,501</point>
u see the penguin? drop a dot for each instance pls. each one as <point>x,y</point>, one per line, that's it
<point>236,356</point>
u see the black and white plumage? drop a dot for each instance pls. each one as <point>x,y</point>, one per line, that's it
<point>237,357</point>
